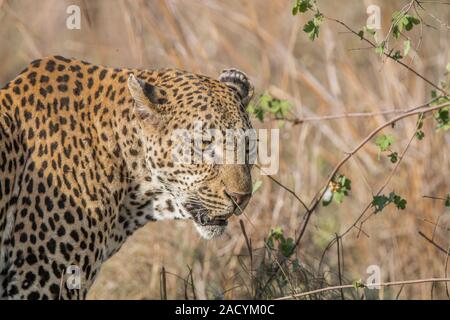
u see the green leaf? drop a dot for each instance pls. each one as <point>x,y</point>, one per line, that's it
<point>433,94</point>
<point>338,197</point>
<point>399,202</point>
<point>380,47</point>
<point>420,134</point>
<point>274,235</point>
<point>318,18</point>
<point>312,26</point>
<point>437,100</point>
<point>358,284</point>
<point>442,117</point>
<point>345,183</point>
<point>361,34</point>
<point>396,15</point>
<point>414,20</point>
<point>305,5</point>
<point>447,201</point>
<point>447,67</point>
<point>393,156</point>
<point>397,55</point>
<point>369,31</point>
<point>301,6</point>
<point>338,189</point>
<point>396,32</point>
<point>384,142</point>
<point>381,201</point>
<point>401,21</point>
<point>284,107</point>
<point>256,111</point>
<point>309,26</point>
<point>286,246</point>
<point>256,186</point>
<point>268,104</point>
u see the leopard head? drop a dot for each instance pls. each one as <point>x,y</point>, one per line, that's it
<point>198,143</point>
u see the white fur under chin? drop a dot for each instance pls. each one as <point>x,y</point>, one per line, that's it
<point>209,232</point>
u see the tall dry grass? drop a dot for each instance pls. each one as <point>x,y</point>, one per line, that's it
<point>336,74</point>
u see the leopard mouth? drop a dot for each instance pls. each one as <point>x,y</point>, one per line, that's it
<point>200,216</point>
<point>207,221</point>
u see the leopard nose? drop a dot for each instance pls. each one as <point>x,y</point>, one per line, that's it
<point>240,200</point>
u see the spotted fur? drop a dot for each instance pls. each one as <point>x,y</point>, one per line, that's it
<point>85,160</point>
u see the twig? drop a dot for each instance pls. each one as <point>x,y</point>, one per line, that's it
<point>339,264</point>
<point>296,121</point>
<point>435,198</point>
<point>250,253</point>
<point>381,284</point>
<point>284,187</point>
<point>433,243</point>
<point>194,295</point>
<point>400,291</point>
<point>435,224</point>
<point>446,272</point>
<point>163,286</point>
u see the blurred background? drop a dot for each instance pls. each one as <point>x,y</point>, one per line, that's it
<point>335,74</point>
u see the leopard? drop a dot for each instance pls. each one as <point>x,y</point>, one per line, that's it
<point>87,158</point>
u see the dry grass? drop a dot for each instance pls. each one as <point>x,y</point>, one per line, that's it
<point>321,78</point>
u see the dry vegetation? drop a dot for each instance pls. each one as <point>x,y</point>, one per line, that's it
<point>335,74</point>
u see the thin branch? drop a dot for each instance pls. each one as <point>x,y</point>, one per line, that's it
<point>381,284</point>
<point>296,121</point>
<point>446,272</point>
<point>284,187</point>
<point>339,264</point>
<point>433,243</point>
<point>250,253</point>
<point>434,198</point>
<point>436,225</point>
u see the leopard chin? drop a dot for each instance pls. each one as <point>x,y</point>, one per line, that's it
<point>209,232</point>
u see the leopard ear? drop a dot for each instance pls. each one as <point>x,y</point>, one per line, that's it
<point>240,82</point>
<point>149,99</point>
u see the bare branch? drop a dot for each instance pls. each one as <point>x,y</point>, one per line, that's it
<point>381,284</point>
<point>433,243</point>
